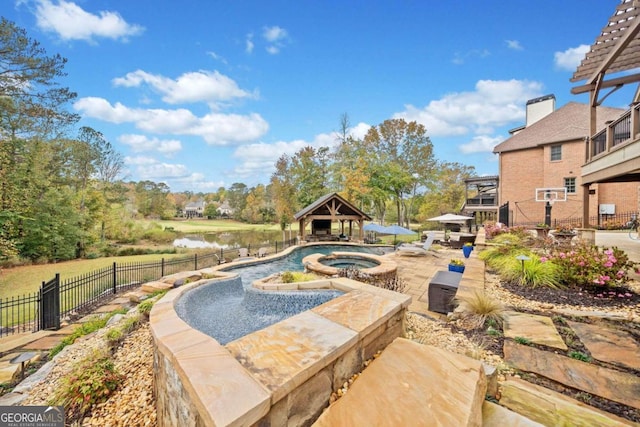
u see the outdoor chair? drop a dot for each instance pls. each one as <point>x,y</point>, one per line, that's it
<point>262,252</point>
<point>243,252</point>
<point>410,249</point>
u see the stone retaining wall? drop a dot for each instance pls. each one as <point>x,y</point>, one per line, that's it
<point>281,375</point>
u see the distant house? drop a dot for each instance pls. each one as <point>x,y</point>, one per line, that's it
<point>225,209</point>
<point>195,209</point>
<point>548,152</point>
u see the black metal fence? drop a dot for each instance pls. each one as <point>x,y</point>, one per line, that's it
<point>59,298</point>
<point>601,222</point>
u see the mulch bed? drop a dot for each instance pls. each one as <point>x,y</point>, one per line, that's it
<point>586,300</point>
<point>610,299</point>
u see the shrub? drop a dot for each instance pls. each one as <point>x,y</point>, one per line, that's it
<point>479,309</point>
<point>456,261</point>
<point>92,382</point>
<point>589,266</point>
<point>288,277</point>
<point>535,273</point>
<point>145,307</point>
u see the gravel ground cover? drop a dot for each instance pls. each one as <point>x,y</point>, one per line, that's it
<point>133,403</point>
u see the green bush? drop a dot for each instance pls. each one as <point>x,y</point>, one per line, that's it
<point>287,277</point>
<point>535,274</point>
<point>589,266</point>
<point>92,382</point>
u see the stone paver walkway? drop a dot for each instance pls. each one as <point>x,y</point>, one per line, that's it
<point>608,344</point>
<point>537,329</point>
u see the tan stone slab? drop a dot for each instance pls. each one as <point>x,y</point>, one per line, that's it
<point>226,392</point>
<point>151,287</point>
<point>8,372</point>
<point>609,344</point>
<point>553,409</point>
<point>494,415</point>
<point>13,342</point>
<point>599,315</point>
<point>358,310</point>
<point>412,384</point>
<point>182,277</point>
<point>45,343</point>
<point>608,383</point>
<point>537,329</point>
<point>285,355</point>
<point>108,308</point>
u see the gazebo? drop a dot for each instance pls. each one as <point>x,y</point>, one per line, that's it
<point>323,212</point>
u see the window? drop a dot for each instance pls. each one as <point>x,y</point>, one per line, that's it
<point>556,152</point>
<point>570,185</point>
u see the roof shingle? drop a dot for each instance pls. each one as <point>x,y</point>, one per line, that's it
<point>570,122</point>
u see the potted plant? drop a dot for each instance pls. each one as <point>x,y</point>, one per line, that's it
<point>456,265</point>
<point>542,229</point>
<point>466,249</point>
<point>564,232</point>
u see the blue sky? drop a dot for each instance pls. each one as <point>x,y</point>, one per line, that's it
<point>201,94</point>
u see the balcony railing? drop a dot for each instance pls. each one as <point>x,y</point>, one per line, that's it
<point>482,201</point>
<point>616,133</point>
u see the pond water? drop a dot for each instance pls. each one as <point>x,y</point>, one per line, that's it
<point>231,239</point>
<point>230,309</point>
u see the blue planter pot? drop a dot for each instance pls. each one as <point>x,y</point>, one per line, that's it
<point>466,250</point>
<point>456,268</point>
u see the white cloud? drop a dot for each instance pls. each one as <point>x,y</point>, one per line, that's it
<point>248,44</point>
<point>494,103</point>
<point>71,22</point>
<point>141,143</point>
<point>481,144</point>
<point>214,128</point>
<point>460,58</point>
<point>260,158</point>
<point>150,169</point>
<point>570,58</point>
<point>275,37</point>
<point>217,57</point>
<point>196,86</point>
<point>514,44</point>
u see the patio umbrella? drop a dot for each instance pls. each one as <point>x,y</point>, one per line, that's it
<point>395,230</point>
<point>377,228</point>
<point>451,218</point>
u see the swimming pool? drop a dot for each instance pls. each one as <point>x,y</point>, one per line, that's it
<point>230,309</point>
<point>293,261</point>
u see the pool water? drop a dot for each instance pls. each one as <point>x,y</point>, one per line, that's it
<point>230,309</point>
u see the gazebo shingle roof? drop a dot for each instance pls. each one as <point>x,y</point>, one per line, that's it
<point>570,122</point>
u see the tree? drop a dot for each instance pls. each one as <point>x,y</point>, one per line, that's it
<point>283,192</point>
<point>237,198</point>
<point>402,154</point>
<point>29,79</point>
<point>447,193</point>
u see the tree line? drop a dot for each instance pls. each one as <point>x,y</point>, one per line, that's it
<point>62,194</point>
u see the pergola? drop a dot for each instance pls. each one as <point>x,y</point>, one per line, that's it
<point>324,211</point>
<point>615,50</point>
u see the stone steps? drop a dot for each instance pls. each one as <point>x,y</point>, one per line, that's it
<point>550,408</point>
<point>413,384</point>
<point>614,347</point>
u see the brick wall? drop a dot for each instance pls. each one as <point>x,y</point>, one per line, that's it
<point>521,172</point>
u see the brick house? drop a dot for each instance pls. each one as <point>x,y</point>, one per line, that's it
<point>195,209</point>
<point>549,151</point>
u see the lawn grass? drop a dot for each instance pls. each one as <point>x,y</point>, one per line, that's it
<point>18,281</point>
<point>215,225</point>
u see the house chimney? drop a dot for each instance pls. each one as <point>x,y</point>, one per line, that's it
<point>538,108</point>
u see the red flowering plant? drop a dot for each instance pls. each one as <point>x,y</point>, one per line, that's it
<point>588,266</point>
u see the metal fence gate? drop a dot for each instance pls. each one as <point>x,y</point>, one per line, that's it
<point>50,304</point>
